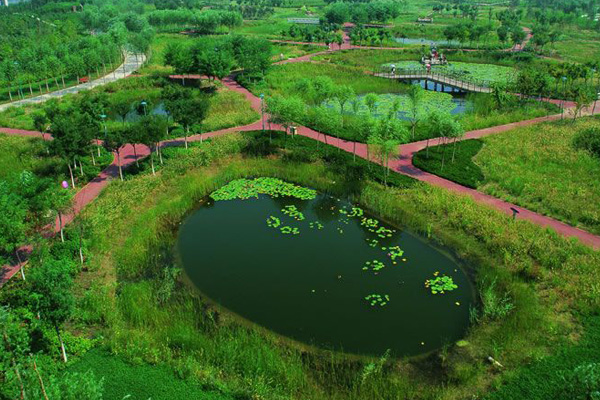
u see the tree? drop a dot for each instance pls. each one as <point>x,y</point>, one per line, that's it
<point>415,98</point>
<point>13,225</point>
<point>187,109</point>
<point>343,94</point>
<point>584,96</point>
<point>51,294</point>
<point>517,36</point>
<point>389,134</point>
<point>371,100</point>
<point>114,140</point>
<point>15,347</point>
<point>441,124</point>
<point>41,123</point>
<point>72,132</point>
<point>121,106</point>
<point>151,131</point>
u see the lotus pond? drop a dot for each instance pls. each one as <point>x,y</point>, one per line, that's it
<point>323,271</point>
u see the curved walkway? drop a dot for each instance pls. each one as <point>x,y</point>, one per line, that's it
<point>402,164</point>
<point>131,63</point>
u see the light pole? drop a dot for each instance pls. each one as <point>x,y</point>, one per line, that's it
<point>144,104</point>
<point>562,108</point>
<point>103,117</point>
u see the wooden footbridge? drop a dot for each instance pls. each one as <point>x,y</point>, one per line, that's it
<point>458,82</point>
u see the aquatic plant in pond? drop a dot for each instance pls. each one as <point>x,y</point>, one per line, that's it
<point>440,284</point>
<point>374,265</point>
<point>273,222</point>
<point>292,211</point>
<point>394,252</point>
<point>377,299</point>
<point>251,188</point>
<point>304,267</point>
<point>316,225</point>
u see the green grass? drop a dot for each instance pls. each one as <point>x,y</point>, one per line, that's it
<point>535,167</point>
<point>139,381</point>
<point>463,170</point>
<point>133,223</point>
<point>281,79</point>
<point>19,154</point>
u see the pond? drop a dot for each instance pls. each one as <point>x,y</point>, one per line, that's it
<point>324,272</point>
<point>134,115</point>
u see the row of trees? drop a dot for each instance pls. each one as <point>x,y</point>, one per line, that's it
<point>204,22</point>
<point>34,63</point>
<point>376,11</point>
<point>216,58</point>
<point>383,133</point>
<point>324,33</point>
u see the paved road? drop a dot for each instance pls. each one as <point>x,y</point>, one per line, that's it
<point>132,62</point>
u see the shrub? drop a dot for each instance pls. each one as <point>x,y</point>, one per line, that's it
<point>588,140</point>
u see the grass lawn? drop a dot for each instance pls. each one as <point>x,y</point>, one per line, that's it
<point>19,154</point>
<point>535,167</point>
<point>139,381</point>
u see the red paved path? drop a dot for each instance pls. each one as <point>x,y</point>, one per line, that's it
<point>402,164</point>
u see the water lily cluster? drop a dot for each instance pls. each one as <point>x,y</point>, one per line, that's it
<point>252,188</point>
<point>440,284</point>
<point>377,299</point>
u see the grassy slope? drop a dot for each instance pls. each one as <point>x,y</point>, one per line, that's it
<point>139,382</point>
<point>535,167</point>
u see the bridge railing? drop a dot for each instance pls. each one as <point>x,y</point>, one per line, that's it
<point>451,78</point>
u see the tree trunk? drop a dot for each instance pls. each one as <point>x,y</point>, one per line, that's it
<point>60,225</point>
<point>62,345</point>
<point>15,367</point>
<point>137,163</point>
<point>62,77</point>
<point>39,378</point>
<point>354,151</point>
<point>119,162</point>
<point>80,168</point>
<point>71,173</point>
<point>30,89</point>
<point>159,151</point>
<point>454,149</point>
<point>187,132</point>
<point>56,83</point>
<point>22,269</point>
<point>427,149</point>
<point>443,155</point>
<point>93,158</point>
<point>152,162</point>
<point>40,87</point>
<point>47,87</point>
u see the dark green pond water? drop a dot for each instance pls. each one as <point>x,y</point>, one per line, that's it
<point>312,286</point>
